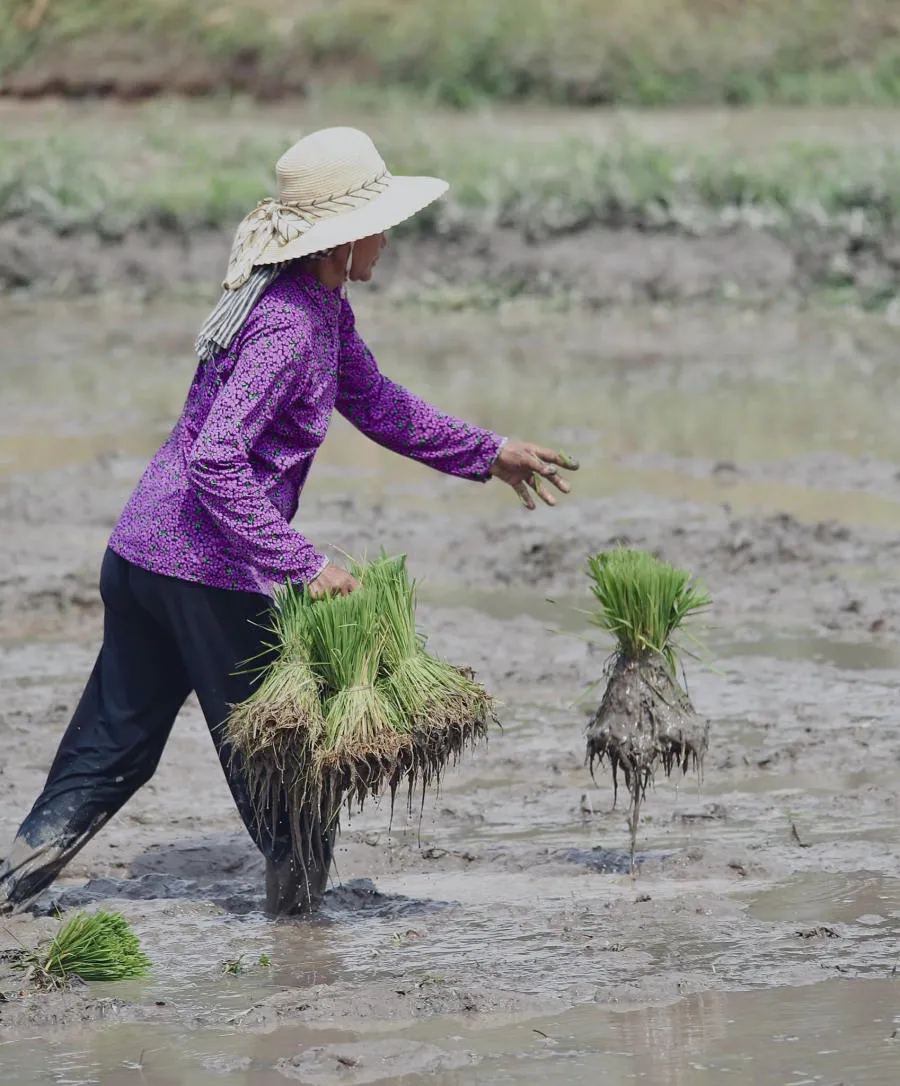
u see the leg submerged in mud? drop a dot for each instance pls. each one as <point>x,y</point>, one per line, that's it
<point>111,747</point>
<point>295,889</point>
<point>297,875</point>
<point>34,861</point>
<point>162,638</point>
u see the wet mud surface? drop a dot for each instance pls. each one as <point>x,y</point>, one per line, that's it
<point>501,937</point>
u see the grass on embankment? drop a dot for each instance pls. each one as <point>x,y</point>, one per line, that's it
<point>167,169</point>
<point>639,52</point>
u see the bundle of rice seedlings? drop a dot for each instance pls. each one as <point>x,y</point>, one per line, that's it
<point>360,732</point>
<point>440,707</point>
<point>274,733</point>
<point>645,718</point>
<point>351,704</point>
<point>91,946</point>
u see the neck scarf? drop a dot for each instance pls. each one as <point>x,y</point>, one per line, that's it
<point>234,307</point>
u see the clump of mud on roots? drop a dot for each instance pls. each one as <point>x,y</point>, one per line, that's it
<point>645,720</point>
<point>351,706</point>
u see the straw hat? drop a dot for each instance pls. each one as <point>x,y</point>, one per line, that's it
<point>333,187</point>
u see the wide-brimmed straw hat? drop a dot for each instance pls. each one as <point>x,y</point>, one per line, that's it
<point>333,188</point>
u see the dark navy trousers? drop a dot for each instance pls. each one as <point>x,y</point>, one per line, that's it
<point>162,639</point>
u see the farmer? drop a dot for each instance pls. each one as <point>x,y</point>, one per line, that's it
<point>187,578</point>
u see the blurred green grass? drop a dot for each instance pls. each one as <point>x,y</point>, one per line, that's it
<point>166,168</point>
<point>639,52</point>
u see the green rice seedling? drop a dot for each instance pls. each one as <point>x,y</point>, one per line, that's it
<point>416,684</point>
<point>645,718</point>
<point>345,644</point>
<point>360,741</point>
<point>274,733</point>
<point>440,707</point>
<point>287,697</point>
<point>91,946</point>
<point>643,602</point>
<point>407,686</point>
<point>233,967</point>
<point>349,704</point>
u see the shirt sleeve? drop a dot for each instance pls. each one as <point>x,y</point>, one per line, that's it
<point>397,419</point>
<point>273,358</point>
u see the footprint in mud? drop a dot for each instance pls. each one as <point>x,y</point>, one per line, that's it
<point>239,898</point>
<point>359,896</point>
<point>370,1061</point>
<point>612,862</point>
<point>362,896</point>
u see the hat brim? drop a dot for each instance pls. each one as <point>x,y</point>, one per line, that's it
<point>403,198</point>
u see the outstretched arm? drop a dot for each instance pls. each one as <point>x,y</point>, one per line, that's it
<point>399,420</point>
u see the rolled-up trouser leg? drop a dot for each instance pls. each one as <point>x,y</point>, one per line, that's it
<point>111,747</point>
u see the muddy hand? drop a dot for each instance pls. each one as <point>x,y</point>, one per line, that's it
<point>529,468</point>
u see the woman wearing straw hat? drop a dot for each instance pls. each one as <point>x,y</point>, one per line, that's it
<point>187,578</point>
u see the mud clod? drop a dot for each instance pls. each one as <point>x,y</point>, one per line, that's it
<point>645,721</point>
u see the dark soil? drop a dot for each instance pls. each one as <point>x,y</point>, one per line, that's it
<point>596,266</point>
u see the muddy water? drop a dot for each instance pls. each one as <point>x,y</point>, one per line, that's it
<point>806,1035</point>
<point>498,936</point>
<point>664,393</point>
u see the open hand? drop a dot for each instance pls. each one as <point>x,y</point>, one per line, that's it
<point>333,581</point>
<point>524,466</point>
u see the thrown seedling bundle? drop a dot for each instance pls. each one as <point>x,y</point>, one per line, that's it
<point>91,946</point>
<point>646,718</point>
<point>352,704</point>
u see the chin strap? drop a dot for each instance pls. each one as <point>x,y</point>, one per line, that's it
<point>346,287</point>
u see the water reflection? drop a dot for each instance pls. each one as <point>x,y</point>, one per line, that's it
<point>836,1031</point>
<point>846,655</point>
<point>115,381</point>
<point>664,393</point>
<point>819,897</point>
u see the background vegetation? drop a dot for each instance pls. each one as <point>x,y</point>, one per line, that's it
<point>639,52</point>
<point>165,168</point>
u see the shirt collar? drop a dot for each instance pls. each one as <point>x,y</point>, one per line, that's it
<point>313,286</point>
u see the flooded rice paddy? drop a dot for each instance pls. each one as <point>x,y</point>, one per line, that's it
<point>499,937</point>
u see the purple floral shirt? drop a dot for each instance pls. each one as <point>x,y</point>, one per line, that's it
<point>216,502</point>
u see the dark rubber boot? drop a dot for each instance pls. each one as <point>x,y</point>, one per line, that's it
<point>29,869</point>
<point>291,891</point>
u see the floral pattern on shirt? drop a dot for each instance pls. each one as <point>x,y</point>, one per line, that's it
<point>216,502</point>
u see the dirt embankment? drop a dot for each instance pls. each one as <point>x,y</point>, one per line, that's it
<point>596,266</point>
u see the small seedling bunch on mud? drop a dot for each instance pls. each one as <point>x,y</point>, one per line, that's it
<point>90,946</point>
<point>645,718</point>
<point>233,967</point>
<point>352,704</point>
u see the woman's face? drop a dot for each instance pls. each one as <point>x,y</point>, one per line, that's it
<point>366,252</point>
